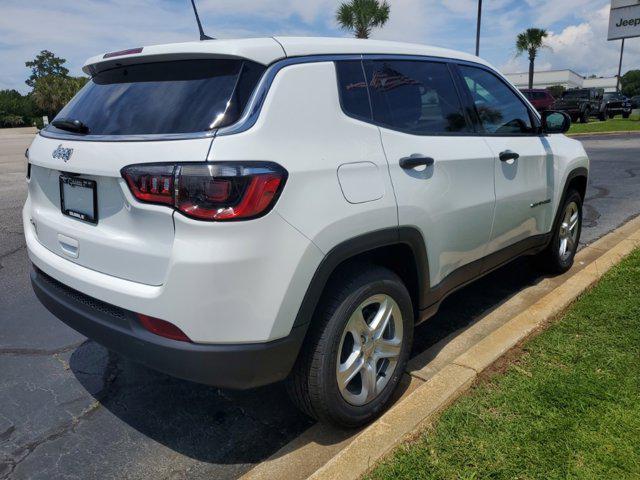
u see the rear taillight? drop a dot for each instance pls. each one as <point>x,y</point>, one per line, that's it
<point>209,191</point>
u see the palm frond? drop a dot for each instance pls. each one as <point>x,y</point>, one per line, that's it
<point>531,41</point>
<point>363,15</point>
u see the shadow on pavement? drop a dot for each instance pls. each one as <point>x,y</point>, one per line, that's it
<point>228,427</point>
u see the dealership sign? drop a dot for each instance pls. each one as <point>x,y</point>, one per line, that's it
<point>624,21</point>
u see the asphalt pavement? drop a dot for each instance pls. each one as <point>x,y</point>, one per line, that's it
<point>71,409</point>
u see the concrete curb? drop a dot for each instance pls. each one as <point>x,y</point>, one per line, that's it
<point>395,425</point>
<point>604,134</point>
<point>429,399</point>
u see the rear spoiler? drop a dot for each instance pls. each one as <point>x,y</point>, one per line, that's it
<point>259,50</point>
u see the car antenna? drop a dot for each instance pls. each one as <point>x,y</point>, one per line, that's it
<point>203,36</point>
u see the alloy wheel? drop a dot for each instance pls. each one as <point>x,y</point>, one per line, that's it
<point>569,231</point>
<point>369,349</point>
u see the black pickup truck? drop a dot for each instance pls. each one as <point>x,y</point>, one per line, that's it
<point>614,104</point>
<point>581,103</point>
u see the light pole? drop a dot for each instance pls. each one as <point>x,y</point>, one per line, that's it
<point>620,66</point>
<point>478,28</point>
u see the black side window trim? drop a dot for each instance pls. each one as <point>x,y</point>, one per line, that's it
<point>535,122</point>
<point>462,91</point>
<point>448,62</point>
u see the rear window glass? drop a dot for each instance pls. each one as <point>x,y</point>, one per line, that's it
<point>184,96</point>
<point>575,94</point>
<point>417,97</point>
<point>353,89</point>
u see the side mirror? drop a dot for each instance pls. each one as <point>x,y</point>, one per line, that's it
<point>555,122</point>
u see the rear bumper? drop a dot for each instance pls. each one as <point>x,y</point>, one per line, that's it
<point>237,366</point>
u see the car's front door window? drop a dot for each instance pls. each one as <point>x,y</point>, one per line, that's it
<point>499,109</point>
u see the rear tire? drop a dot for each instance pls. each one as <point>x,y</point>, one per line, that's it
<point>559,255</point>
<point>348,381</point>
<point>584,116</point>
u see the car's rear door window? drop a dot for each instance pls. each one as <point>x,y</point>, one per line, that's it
<point>417,97</point>
<point>183,96</point>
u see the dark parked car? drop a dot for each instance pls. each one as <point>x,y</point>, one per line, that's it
<point>635,101</point>
<point>614,103</point>
<point>541,99</point>
<point>581,103</point>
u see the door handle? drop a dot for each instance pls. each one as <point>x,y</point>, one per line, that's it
<point>416,160</point>
<point>509,155</point>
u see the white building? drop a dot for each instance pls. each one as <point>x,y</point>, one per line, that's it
<point>566,78</point>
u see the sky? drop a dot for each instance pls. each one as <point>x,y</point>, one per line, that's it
<point>79,29</point>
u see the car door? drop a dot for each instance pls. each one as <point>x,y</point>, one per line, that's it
<point>523,160</point>
<point>442,174</point>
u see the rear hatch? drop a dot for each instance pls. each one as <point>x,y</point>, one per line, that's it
<point>162,112</point>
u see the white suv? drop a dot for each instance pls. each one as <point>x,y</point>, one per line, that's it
<point>242,212</point>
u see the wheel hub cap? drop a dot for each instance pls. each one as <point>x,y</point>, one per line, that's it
<point>569,231</point>
<point>369,349</point>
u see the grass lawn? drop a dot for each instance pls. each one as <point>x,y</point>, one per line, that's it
<point>618,124</point>
<point>569,407</point>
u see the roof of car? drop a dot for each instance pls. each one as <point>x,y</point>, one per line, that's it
<point>268,50</point>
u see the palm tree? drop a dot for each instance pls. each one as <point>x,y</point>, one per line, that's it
<point>530,42</point>
<point>363,15</point>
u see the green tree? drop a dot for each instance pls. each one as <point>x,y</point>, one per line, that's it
<point>556,90</point>
<point>16,109</point>
<point>53,92</point>
<point>361,16</point>
<point>630,82</point>
<point>530,42</point>
<point>11,102</point>
<point>11,121</point>
<point>45,64</point>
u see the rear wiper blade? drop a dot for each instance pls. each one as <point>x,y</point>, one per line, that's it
<point>70,125</point>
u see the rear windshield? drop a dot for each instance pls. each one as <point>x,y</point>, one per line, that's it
<point>166,97</point>
<point>576,94</point>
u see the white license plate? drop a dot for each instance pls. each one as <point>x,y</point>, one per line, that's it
<point>79,198</point>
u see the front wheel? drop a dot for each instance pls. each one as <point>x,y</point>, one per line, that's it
<point>626,115</point>
<point>559,255</point>
<point>357,348</point>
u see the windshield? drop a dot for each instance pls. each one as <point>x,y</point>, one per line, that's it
<point>183,96</point>
<point>612,96</point>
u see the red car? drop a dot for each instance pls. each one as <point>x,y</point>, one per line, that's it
<point>541,99</point>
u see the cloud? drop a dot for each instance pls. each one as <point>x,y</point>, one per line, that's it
<point>583,47</point>
<point>78,30</point>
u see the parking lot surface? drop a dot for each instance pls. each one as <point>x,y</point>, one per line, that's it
<point>71,409</point>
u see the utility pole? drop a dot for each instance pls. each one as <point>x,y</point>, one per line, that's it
<point>478,28</point>
<point>620,66</point>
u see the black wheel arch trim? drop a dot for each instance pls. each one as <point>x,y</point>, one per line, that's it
<point>409,236</point>
<point>429,296</point>
<point>573,174</point>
